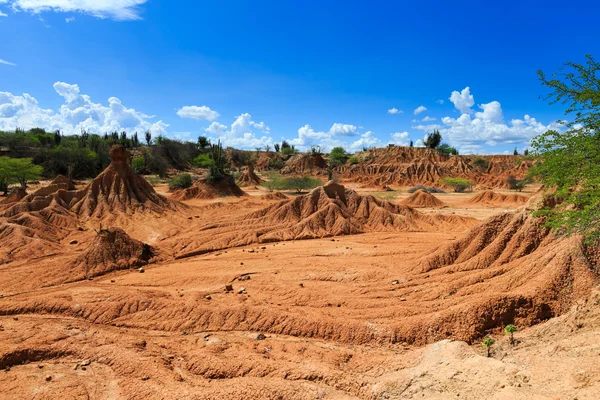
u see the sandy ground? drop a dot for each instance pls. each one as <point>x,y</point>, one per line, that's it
<point>302,320</point>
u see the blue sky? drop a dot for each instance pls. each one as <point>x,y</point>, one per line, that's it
<point>327,72</point>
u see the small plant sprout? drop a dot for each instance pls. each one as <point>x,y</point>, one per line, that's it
<point>487,344</point>
<point>510,330</point>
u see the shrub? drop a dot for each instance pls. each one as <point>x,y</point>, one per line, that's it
<point>182,181</point>
<point>203,161</point>
<point>481,164</point>
<point>447,150</point>
<point>433,140</point>
<point>516,184</point>
<point>288,151</point>
<point>353,160</point>
<point>458,184</point>
<point>487,343</point>
<point>429,189</point>
<point>139,165</point>
<point>278,182</point>
<point>510,329</point>
<point>275,163</point>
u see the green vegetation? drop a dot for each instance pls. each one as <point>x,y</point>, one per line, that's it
<point>458,184</point>
<point>203,142</point>
<point>510,330</point>
<point>353,160</point>
<point>516,152</point>
<point>17,170</point>
<point>139,165</point>
<point>447,150</point>
<point>288,151</point>
<point>182,181</point>
<point>300,183</point>
<point>203,161</point>
<point>433,140</point>
<point>487,344</point>
<point>219,169</point>
<point>517,184</point>
<point>275,163</point>
<point>570,160</point>
<point>337,158</point>
<point>481,164</point>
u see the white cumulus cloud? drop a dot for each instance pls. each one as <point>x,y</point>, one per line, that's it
<point>120,10</point>
<point>428,119</point>
<point>463,101</point>
<point>78,112</point>
<point>338,129</point>
<point>400,138</point>
<point>420,109</point>
<point>395,111</point>
<point>241,133</point>
<point>198,112</point>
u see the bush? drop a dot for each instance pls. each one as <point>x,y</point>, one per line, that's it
<point>80,163</point>
<point>139,165</point>
<point>182,181</point>
<point>481,164</point>
<point>458,184</point>
<point>516,184</point>
<point>277,182</point>
<point>288,151</point>
<point>353,160</point>
<point>203,161</point>
<point>447,150</point>
<point>275,163</point>
<point>429,189</point>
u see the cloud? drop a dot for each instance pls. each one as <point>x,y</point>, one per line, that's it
<point>400,138</point>
<point>216,128</point>
<point>420,109</point>
<point>198,112</point>
<point>428,119</point>
<point>2,14</point>
<point>78,112</point>
<point>7,63</point>
<point>69,20</point>
<point>338,129</point>
<point>395,111</point>
<point>241,134</point>
<point>120,10</point>
<point>472,133</point>
<point>463,101</point>
<point>367,140</point>
<point>440,101</point>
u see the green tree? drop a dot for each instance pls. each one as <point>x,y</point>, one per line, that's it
<point>487,344</point>
<point>277,147</point>
<point>510,330</point>
<point>18,170</point>
<point>139,165</point>
<point>447,150</point>
<point>337,158</point>
<point>433,140</point>
<point>148,136</point>
<point>458,184</point>
<point>411,144</point>
<point>182,181</point>
<point>203,142</point>
<point>516,152</point>
<point>570,160</point>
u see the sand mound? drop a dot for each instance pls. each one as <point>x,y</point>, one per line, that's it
<point>61,179</point>
<point>274,196</point>
<point>205,189</point>
<point>421,198</point>
<point>510,269</point>
<point>111,250</point>
<point>14,196</point>
<point>492,198</point>
<point>249,178</point>
<point>308,163</point>
<point>326,211</point>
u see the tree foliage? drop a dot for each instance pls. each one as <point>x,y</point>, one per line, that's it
<point>570,160</point>
<point>433,140</point>
<point>458,184</point>
<point>18,170</point>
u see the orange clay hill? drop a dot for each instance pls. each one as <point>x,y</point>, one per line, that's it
<point>308,163</point>
<point>409,166</point>
<point>377,301</point>
<point>274,196</point>
<point>422,199</point>
<point>248,177</point>
<point>326,211</point>
<point>210,189</point>
<point>497,199</point>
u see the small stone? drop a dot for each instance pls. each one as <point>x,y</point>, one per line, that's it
<point>208,297</point>
<point>40,366</point>
<point>112,281</point>
<point>48,378</point>
<point>263,248</point>
<point>80,229</point>
<point>85,363</point>
<point>142,270</point>
<point>145,377</point>
<point>83,368</point>
<point>241,291</point>
<point>250,250</point>
<point>261,336</point>
<point>73,242</point>
<point>228,288</point>
<point>241,263</point>
<point>395,282</point>
<point>244,278</point>
<point>301,284</point>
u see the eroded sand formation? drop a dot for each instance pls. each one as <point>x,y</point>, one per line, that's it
<point>232,304</point>
<point>422,199</point>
